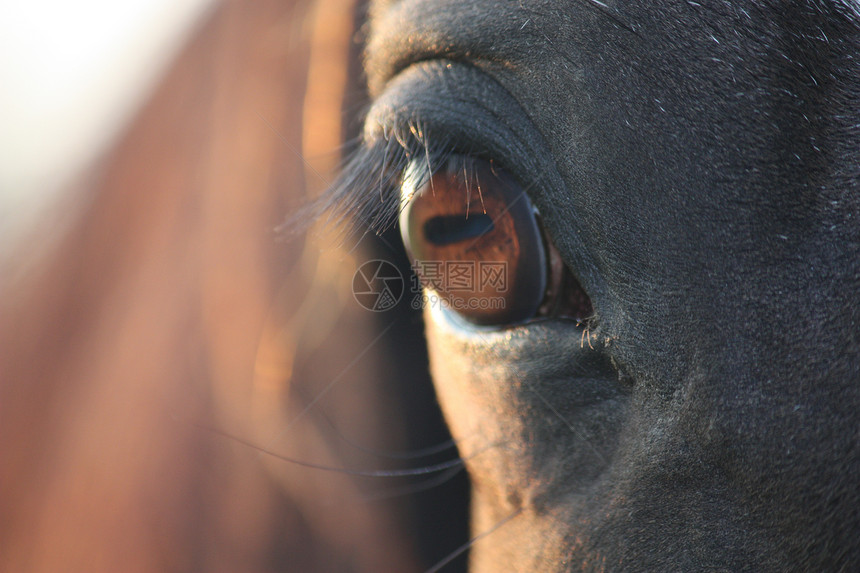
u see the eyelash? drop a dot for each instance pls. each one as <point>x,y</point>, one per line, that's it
<point>368,188</point>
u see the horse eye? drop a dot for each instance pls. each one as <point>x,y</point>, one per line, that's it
<point>472,234</point>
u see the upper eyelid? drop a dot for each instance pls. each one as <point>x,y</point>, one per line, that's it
<point>462,106</point>
<point>367,188</point>
<point>432,109</point>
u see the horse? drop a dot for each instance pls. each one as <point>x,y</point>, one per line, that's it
<point>671,379</point>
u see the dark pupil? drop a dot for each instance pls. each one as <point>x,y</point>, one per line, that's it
<point>449,229</point>
<point>474,241</point>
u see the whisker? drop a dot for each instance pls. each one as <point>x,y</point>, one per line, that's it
<point>411,455</point>
<point>336,379</point>
<point>412,489</point>
<point>458,462</point>
<point>455,463</point>
<point>465,547</point>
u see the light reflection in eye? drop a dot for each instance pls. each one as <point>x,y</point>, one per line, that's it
<point>473,235</point>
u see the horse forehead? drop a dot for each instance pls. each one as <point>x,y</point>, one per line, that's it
<point>501,30</point>
<point>683,36</point>
<point>504,32</point>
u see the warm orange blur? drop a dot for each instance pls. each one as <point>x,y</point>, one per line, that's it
<point>173,304</point>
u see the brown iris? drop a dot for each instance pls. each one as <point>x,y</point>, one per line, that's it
<point>475,243</point>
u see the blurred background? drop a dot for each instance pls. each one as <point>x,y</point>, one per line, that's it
<point>158,326</point>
